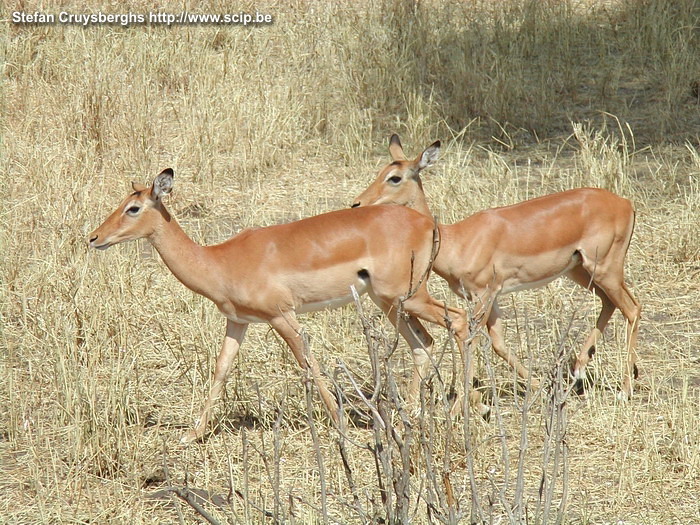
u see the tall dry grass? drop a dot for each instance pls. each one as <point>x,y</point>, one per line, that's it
<point>105,357</point>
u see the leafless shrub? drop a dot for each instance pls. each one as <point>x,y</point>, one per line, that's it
<point>103,359</point>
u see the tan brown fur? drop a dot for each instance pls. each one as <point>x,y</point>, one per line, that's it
<point>583,234</point>
<point>271,274</point>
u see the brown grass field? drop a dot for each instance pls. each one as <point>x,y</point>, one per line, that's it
<point>105,358</point>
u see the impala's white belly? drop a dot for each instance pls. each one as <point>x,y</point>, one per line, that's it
<point>360,286</point>
<point>530,285</point>
<point>244,319</point>
<point>519,283</point>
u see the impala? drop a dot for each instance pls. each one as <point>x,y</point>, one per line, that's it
<point>269,275</point>
<point>582,234</point>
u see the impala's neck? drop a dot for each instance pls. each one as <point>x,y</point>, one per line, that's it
<point>191,263</point>
<point>419,202</point>
<point>421,207</point>
<point>441,264</point>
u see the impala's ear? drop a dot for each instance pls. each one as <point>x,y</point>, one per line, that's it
<point>428,157</point>
<point>138,187</point>
<point>163,184</point>
<point>395,148</point>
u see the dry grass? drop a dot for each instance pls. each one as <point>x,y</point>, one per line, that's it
<point>104,357</point>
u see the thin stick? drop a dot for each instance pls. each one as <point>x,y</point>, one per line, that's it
<point>246,474</point>
<point>276,455</point>
<point>308,387</point>
<point>186,495</point>
<point>341,441</point>
<point>166,471</point>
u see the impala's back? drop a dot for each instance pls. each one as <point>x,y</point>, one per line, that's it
<point>312,263</point>
<point>533,242</point>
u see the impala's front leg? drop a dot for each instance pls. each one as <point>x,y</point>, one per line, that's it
<point>421,347</point>
<point>229,350</point>
<point>467,351</point>
<point>494,324</point>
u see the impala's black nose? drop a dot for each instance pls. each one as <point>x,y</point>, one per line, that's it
<point>356,205</point>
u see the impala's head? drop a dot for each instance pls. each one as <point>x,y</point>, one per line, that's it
<point>399,182</point>
<point>137,216</point>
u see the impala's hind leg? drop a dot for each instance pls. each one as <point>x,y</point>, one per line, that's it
<point>418,339</point>
<point>580,276</point>
<point>287,326</point>
<point>421,305</point>
<point>632,310</point>
<point>424,306</point>
<point>631,371</point>
<point>609,285</point>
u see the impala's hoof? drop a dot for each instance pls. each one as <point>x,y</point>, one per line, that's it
<point>190,436</point>
<point>485,412</point>
<point>482,409</point>
<point>535,384</point>
<point>623,396</point>
<point>581,379</point>
<point>579,388</point>
<point>456,408</point>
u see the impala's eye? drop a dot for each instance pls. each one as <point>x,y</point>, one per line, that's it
<point>394,180</point>
<point>133,210</point>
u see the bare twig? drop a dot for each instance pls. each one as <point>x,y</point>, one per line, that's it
<point>308,387</point>
<point>246,474</point>
<point>186,495</point>
<point>555,448</point>
<point>166,472</point>
<point>476,511</point>
<point>344,455</point>
<point>435,248</point>
<point>502,486</point>
<point>519,508</point>
<point>276,457</point>
<point>368,403</point>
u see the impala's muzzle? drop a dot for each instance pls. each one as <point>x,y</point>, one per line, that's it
<point>93,243</point>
